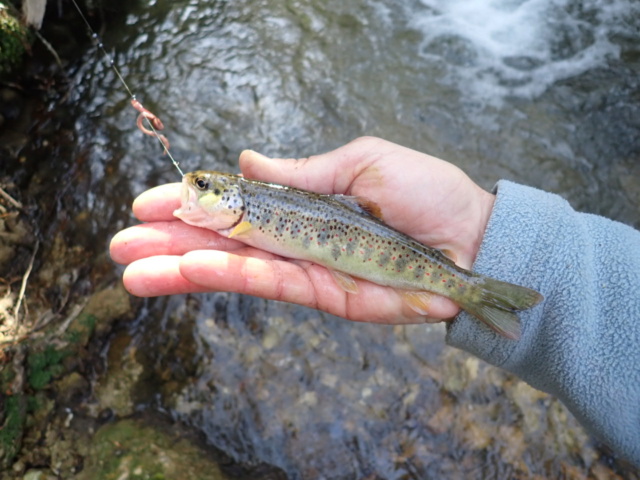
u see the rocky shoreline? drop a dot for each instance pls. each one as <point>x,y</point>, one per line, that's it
<point>60,305</point>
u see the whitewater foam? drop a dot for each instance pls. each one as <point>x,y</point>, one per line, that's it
<point>497,48</point>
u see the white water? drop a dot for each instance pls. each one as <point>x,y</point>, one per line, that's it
<point>495,48</point>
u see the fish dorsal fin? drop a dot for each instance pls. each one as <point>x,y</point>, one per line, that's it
<point>360,205</point>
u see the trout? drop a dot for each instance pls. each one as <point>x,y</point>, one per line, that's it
<point>345,235</point>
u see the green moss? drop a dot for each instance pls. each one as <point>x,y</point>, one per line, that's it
<point>33,403</point>
<point>13,40</point>
<point>81,329</point>
<point>44,366</point>
<point>135,450</point>
<point>11,431</point>
<point>6,377</point>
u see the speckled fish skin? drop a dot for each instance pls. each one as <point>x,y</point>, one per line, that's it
<point>336,232</point>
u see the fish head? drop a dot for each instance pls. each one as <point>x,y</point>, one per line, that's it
<point>211,200</point>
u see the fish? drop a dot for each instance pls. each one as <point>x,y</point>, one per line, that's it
<point>346,235</point>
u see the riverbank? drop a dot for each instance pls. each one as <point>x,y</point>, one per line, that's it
<point>62,306</point>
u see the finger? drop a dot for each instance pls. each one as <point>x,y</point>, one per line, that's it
<point>302,283</point>
<point>156,276</point>
<point>331,172</point>
<point>158,204</point>
<point>165,238</point>
<point>261,277</point>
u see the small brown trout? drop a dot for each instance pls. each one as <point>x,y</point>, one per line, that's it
<point>340,233</point>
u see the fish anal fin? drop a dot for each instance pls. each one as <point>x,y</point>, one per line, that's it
<point>242,227</point>
<point>346,282</point>
<point>418,301</point>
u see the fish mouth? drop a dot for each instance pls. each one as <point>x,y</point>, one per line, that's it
<point>188,201</point>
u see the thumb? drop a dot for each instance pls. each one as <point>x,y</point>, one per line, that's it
<point>317,174</point>
<point>331,172</point>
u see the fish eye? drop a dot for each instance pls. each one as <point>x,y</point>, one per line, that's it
<point>201,183</point>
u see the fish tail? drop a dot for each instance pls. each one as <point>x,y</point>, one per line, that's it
<point>497,302</point>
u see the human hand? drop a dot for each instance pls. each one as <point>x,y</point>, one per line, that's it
<point>429,199</point>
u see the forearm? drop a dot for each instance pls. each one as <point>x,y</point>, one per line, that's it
<point>582,343</point>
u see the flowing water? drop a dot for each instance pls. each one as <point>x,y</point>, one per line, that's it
<point>543,92</point>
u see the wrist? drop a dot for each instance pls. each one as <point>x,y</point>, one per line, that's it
<point>485,202</point>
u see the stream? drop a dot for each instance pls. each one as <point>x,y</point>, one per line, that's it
<point>542,92</point>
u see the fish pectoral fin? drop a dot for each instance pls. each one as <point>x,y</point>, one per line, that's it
<point>346,282</point>
<point>242,227</point>
<point>418,301</point>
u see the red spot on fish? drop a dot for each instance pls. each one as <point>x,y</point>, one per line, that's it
<point>410,267</point>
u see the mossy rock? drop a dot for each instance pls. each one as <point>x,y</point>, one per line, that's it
<point>135,450</point>
<point>14,39</point>
<point>12,428</point>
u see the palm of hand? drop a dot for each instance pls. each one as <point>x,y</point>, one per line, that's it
<point>428,199</point>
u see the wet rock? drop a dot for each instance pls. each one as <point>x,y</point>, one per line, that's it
<point>72,386</point>
<point>107,306</point>
<point>116,390</point>
<point>39,475</point>
<point>12,143</point>
<point>528,399</point>
<point>101,311</point>
<point>133,449</point>
<point>11,103</point>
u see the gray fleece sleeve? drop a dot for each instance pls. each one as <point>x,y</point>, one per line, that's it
<point>582,343</point>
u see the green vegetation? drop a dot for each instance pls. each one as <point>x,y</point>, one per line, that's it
<point>44,366</point>
<point>13,39</point>
<point>81,329</point>
<point>12,428</point>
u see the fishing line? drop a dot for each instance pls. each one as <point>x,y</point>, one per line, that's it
<point>149,118</point>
